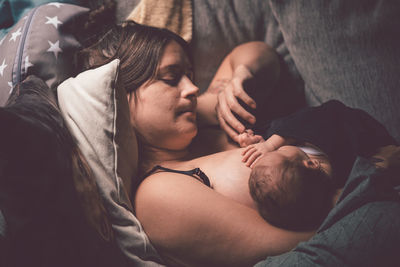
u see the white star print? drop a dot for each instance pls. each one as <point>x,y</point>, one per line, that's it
<point>2,67</point>
<point>2,40</point>
<point>55,48</point>
<point>11,87</point>
<point>54,21</point>
<point>27,64</point>
<point>15,35</point>
<point>55,4</point>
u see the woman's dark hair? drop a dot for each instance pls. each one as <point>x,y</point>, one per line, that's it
<point>298,200</point>
<point>138,47</point>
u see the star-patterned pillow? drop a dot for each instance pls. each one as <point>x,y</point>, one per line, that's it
<point>40,44</point>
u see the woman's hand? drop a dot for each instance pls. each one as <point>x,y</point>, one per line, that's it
<point>228,103</point>
<point>253,61</point>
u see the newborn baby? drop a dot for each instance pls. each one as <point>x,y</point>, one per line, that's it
<point>290,184</point>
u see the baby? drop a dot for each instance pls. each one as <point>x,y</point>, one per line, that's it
<point>294,180</point>
<point>290,184</point>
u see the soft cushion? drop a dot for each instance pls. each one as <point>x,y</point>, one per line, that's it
<point>346,50</point>
<point>12,11</point>
<point>97,114</point>
<point>41,43</point>
<point>49,205</point>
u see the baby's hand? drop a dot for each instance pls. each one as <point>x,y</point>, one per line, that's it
<point>252,152</point>
<point>248,138</point>
<point>388,157</point>
<point>255,151</point>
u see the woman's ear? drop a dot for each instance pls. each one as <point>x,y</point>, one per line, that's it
<point>131,105</point>
<point>312,163</point>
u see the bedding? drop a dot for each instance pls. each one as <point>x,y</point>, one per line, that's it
<point>346,50</point>
<point>96,111</point>
<point>12,11</point>
<point>175,15</point>
<point>51,209</point>
<point>303,33</point>
<point>42,44</point>
<point>362,229</point>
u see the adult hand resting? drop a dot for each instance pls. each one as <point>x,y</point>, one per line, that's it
<point>228,103</point>
<point>251,63</point>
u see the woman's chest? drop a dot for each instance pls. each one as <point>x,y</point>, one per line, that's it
<point>227,173</point>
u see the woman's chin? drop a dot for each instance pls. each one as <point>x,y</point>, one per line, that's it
<point>187,138</point>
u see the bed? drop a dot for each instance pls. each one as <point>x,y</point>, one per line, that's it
<point>329,49</point>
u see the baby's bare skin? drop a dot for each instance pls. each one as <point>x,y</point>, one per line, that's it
<point>248,138</point>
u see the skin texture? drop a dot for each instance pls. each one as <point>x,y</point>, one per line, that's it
<point>166,106</point>
<point>189,223</point>
<point>249,61</point>
<point>252,61</point>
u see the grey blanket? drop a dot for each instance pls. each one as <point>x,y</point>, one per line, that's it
<point>362,230</point>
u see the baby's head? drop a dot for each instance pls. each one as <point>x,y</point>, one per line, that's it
<point>290,189</point>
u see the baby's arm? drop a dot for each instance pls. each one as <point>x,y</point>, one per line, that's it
<point>252,152</point>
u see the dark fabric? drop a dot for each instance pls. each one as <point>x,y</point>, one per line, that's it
<point>341,132</point>
<point>2,226</point>
<point>346,50</point>
<point>46,224</point>
<point>362,230</point>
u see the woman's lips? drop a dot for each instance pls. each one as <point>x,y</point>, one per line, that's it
<point>191,108</point>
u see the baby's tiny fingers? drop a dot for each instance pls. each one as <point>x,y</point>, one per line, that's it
<point>252,158</point>
<point>248,154</point>
<point>247,149</point>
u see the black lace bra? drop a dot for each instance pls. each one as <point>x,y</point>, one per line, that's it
<point>195,173</point>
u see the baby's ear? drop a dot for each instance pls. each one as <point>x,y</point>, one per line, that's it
<point>312,163</point>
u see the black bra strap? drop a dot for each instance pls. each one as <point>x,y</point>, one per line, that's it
<point>203,177</point>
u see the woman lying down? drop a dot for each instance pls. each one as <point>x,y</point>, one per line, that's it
<point>195,204</point>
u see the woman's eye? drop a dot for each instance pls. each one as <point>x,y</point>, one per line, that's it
<point>172,80</point>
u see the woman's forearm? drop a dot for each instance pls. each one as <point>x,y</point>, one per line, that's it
<point>258,57</point>
<point>262,63</point>
<point>206,113</point>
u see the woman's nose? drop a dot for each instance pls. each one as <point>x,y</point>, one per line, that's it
<point>188,88</point>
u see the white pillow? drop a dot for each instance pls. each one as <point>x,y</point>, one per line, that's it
<point>97,114</point>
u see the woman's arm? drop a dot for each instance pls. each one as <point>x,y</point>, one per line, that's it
<point>253,61</point>
<point>191,224</point>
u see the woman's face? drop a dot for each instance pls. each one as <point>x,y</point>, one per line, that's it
<point>164,113</point>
